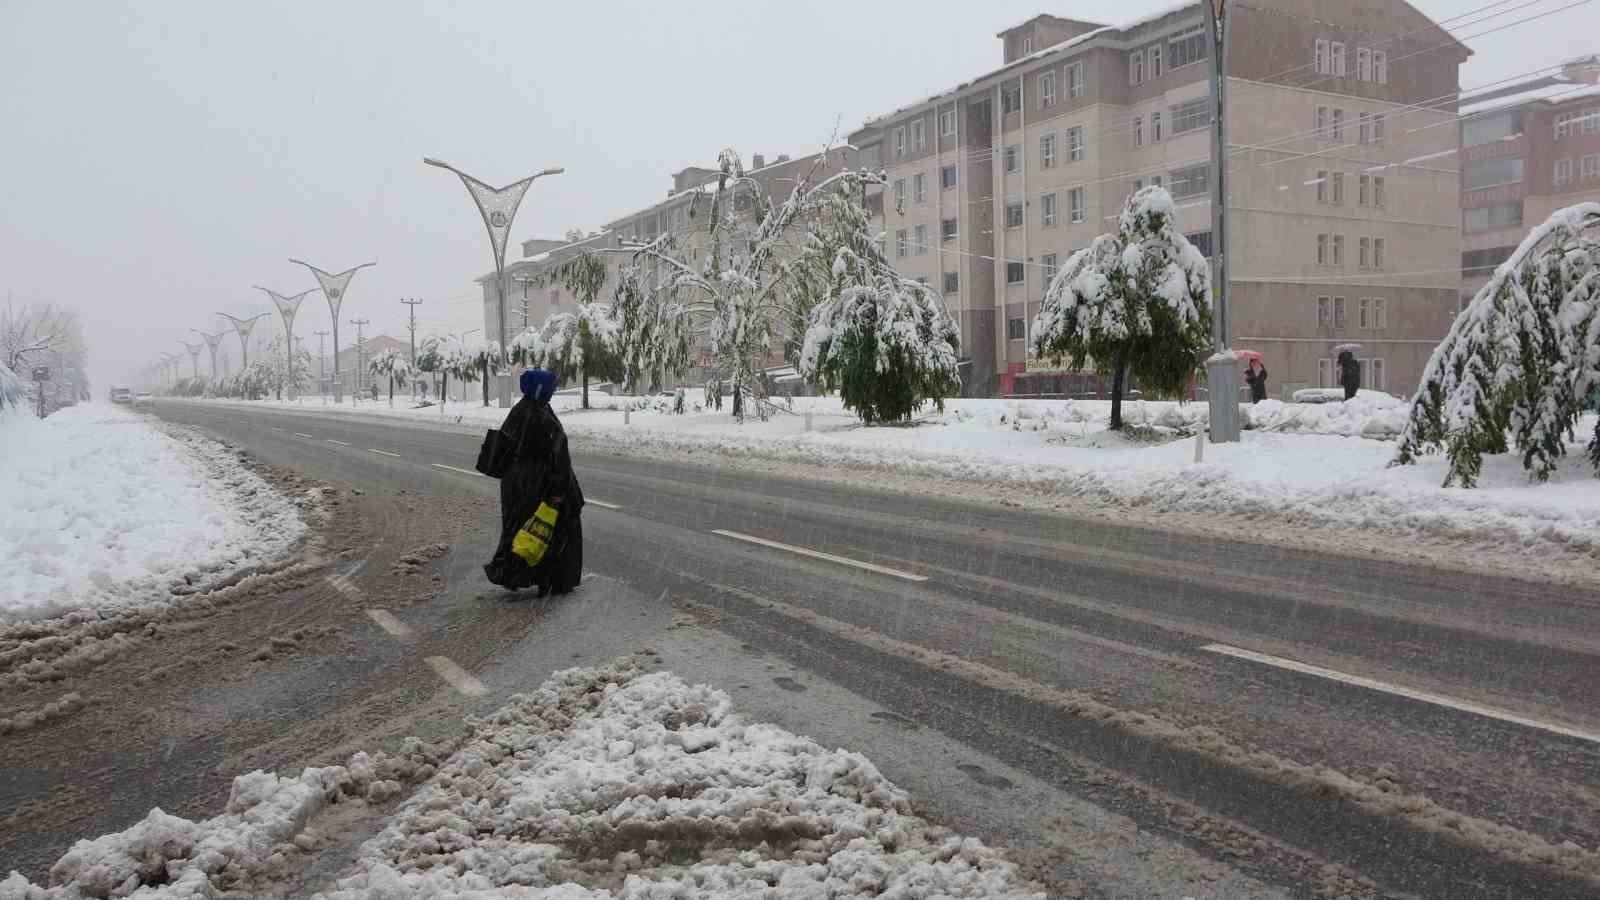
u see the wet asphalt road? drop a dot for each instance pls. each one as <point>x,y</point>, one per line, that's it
<point>1037,644</point>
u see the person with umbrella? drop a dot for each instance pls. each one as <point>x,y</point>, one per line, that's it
<point>1255,374</point>
<point>1349,369</point>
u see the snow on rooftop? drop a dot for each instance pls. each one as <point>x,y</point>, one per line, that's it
<point>1559,92</point>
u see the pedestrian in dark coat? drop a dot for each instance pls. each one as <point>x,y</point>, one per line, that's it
<point>539,471</point>
<point>1349,374</point>
<point>1256,377</point>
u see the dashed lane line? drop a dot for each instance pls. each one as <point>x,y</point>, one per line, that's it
<point>601,503</point>
<point>304,435</point>
<point>389,623</point>
<point>1401,691</point>
<point>340,443</point>
<point>818,554</point>
<point>457,677</point>
<point>454,469</point>
<point>384,452</point>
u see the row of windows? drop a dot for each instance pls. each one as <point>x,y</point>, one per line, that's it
<point>1572,123</point>
<point>1370,127</point>
<point>1588,169</point>
<point>1487,173</point>
<point>1179,49</point>
<point>1371,190</point>
<point>1374,373</point>
<point>1372,313</point>
<point>1491,218</point>
<point>1371,65</point>
<point>1330,251</point>
<point>1011,98</point>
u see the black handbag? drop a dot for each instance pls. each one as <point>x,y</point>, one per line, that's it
<point>494,455</point>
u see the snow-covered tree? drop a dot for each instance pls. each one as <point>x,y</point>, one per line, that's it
<point>481,356</point>
<point>739,298</point>
<point>1135,302</point>
<point>580,344</point>
<point>1521,361</point>
<point>393,365</point>
<point>33,333</point>
<point>12,395</point>
<point>885,342</point>
<point>281,372</point>
<point>430,359</point>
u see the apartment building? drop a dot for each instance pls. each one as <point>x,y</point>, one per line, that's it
<point>1341,228</point>
<point>1526,150</point>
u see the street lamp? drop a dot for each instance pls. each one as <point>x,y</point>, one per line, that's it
<point>194,357</point>
<point>333,287</point>
<point>287,307</point>
<point>498,206</point>
<point>1222,369</point>
<point>213,341</point>
<point>243,327</point>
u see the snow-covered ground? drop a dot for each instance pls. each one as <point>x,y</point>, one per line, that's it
<point>603,783</point>
<point>100,507</point>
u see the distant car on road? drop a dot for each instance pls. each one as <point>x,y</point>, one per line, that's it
<point>121,395</point>
<point>143,398</point>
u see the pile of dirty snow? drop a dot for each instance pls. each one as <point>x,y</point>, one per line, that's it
<point>99,508</point>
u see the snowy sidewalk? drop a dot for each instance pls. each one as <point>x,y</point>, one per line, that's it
<point>602,783</point>
<point>101,508</point>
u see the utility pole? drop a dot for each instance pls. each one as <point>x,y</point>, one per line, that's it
<point>1222,369</point>
<point>322,367</point>
<point>360,348</point>
<point>413,326</point>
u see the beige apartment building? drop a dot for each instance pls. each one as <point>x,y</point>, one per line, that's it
<point>1527,150</point>
<point>1344,224</point>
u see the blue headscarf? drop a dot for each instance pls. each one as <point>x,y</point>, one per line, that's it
<point>540,384</point>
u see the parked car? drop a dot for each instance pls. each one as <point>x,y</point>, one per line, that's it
<point>143,398</point>
<point>121,395</point>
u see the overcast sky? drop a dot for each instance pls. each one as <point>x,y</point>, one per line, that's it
<point>162,157</point>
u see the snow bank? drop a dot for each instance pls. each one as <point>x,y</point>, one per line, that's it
<point>100,509</point>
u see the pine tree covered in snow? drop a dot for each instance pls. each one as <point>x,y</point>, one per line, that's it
<point>579,345</point>
<point>1521,361</point>
<point>740,298</point>
<point>393,365</point>
<point>1136,302</point>
<point>884,342</point>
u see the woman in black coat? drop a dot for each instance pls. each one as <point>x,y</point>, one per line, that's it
<point>1256,377</point>
<point>1349,374</point>
<point>539,470</point>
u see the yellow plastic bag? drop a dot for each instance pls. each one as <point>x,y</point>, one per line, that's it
<point>533,538</point>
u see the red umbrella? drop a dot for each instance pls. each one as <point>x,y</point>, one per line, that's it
<point>1248,355</point>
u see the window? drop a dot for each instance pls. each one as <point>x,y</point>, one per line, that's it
<point>1014,273</point>
<point>1364,312</point>
<point>1192,181</point>
<point>1364,190</point>
<point>947,230</point>
<point>920,239</point>
<point>1047,90</point>
<point>900,192</point>
<point>1377,253</point>
<point>1591,167</point>
<point>1048,263</point>
<point>947,123</point>
<point>1489,218</point>
<point>1138,185</point>
<point>1153,61</point>
<point>1380,313</point>
<point>1325,373</point>
<point>1138,131</point>
<point>1338,312</point>
<point>1075,205</point>
<point>1016,329</point>
<point>899,141</point>
<point>952,282</point>
<point>1490,172</point>
<point>1337,128</point>
<point>1155,127</point>
<point>947,177</point>
<point>1377,127</point>
<point>1322,249</point>
<point>1047,210</point>
<point>900,242</point>
<point>1014,215</point>
<point>1321,58</point>
<point>1191,115</point>
<point>1338,188</point>
<point>1186,46</point>
<point>1380,67</point>
<point>919,188</point>
<point>1136,67</point>
<point>1322,185</point>
<point>1322,122</point>
<point>1497,127</point>
<point>1324,311</point>
<point>555,297</point>
<point>1363,128</point>
<point>1338,249</point>
<point>1364,64</point>
<point>919,136</point>
<point>1563,171</point>
<point>1201,241</point>
<point>1010,99</point>
<point>1075,143</point>
<point>1380,374</point>
<point>1027,45</point>
<point>1075,80</point>
<point>1336,50</point>
<point>1377,190</point>
<point>922,280</point>
<point>1364,252</point>
<point>1013,158</point>
<point>1591,120</point>
<point>1155,181</point>
<point>1047,151</point>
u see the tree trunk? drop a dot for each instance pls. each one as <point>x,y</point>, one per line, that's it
<point>391,390</point>
<point>583,374</point>
<point>738,400</point>
<point>486,382</point>
<point>444,387</point>
<point>1118,379</point>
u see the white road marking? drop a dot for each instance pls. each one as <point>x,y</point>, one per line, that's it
<point>340,443</point>
<point>1399,691</point>
<point>601,503</point>
<point>341,583</point>
<point>384,452</point>
<point>303,434</point>
<point>459,678</point>
<point>273,427</point>
<point>389,623</point>
<point>817,554</point>
<point>454,469</point>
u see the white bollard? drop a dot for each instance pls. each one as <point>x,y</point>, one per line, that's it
<point>626,415</point>
<point>808,420</point>
<point>1200,446</point>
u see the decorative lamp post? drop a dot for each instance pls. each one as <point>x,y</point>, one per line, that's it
<point>333,288</point>
<point>287,307</point>
<point>498,206</point>
<point>243,327</point>
<point>213,341</point>
<point>194,357</point>
<point>1222,369</point>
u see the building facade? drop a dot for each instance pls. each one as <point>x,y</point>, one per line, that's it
<point>1526,150</point>
<point>1342,226</point>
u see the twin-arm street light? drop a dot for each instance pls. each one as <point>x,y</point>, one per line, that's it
<point>287,307</point>
<point>333,288</point>
<point>194,357</point>
<point>243,327</point>
<point>497,206</point>
<point>213,341</point>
